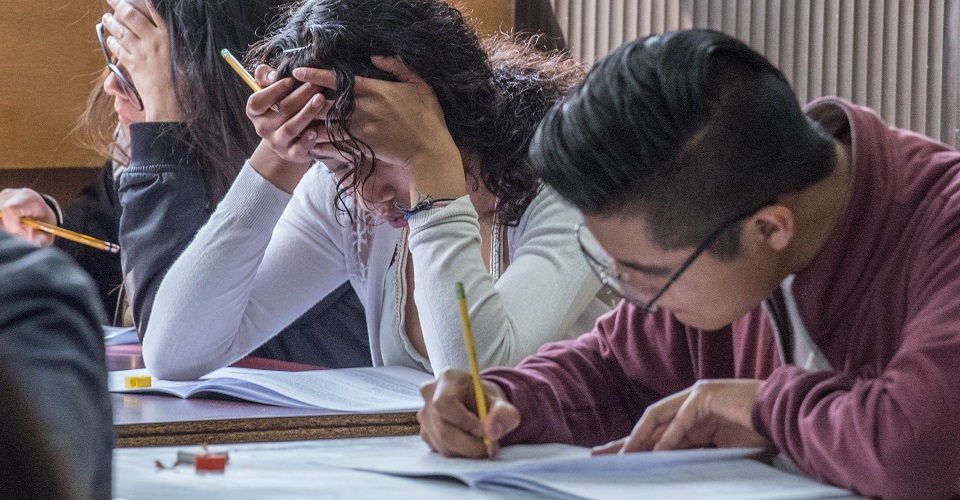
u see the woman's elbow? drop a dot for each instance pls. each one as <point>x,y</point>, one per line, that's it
<point>164,364</point>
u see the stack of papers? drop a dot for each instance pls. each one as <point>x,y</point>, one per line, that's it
<point>354,390</point>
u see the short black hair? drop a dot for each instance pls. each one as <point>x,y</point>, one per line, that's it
<point>686,129</point>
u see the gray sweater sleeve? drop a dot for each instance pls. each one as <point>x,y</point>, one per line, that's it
<point>164,202</point>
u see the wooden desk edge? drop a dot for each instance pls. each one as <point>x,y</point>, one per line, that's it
<point>246,430</point>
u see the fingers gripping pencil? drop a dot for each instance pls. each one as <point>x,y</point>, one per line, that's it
<point>69,235</point>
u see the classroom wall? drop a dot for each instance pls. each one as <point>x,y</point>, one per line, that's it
<point>51,56</point>
<point>900,58</point>
<point>488,16</point>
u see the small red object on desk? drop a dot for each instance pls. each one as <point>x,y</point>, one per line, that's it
<point>210,462</point>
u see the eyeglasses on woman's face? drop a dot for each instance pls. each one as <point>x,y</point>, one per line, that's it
<point>129,91</point>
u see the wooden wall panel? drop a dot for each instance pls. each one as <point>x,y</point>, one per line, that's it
<point>488,16</point>
<point>63,183</point>
<point>50,57</point>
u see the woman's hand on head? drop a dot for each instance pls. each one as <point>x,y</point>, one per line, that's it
<point>25,202</point>
<point>282,114</point>
<point>404,125</point>
<point>140,41</point>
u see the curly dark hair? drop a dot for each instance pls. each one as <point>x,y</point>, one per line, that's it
<point>492,93</point>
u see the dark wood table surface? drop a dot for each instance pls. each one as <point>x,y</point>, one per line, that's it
<point>155,420</point>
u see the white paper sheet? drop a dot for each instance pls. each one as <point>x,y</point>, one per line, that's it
<point>561,471</point>
<point>297,470</point>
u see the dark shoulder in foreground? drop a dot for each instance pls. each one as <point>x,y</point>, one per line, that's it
<point>51,346</point>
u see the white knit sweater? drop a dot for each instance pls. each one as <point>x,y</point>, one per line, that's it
<point>265,257</point>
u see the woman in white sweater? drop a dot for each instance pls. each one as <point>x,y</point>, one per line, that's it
<point>423,183</point>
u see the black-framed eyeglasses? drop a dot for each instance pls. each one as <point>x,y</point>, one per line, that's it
<point>128,89</point>
<point>609,272</point>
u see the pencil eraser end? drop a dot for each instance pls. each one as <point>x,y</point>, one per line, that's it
<point>137,382</point>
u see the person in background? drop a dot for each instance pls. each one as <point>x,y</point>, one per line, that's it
<point>424,183</point>
<point>94,212</point>
<point>790,278</point>
<point>169,112</point>
<point>56,430</point>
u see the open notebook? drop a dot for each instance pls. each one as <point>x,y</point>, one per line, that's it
<point>355,390</point>
<point>561,471</point>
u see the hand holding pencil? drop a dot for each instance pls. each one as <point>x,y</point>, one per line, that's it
<point>21,204</point>
<point>454,420</point>
<point>25,202</point>
<point>67,234</point>
<point>284,113</point>
<point>449,423</point>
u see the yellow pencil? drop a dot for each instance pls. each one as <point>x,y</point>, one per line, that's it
<point>69,235</point>
<point>472,356</point>
<point>235,64</point>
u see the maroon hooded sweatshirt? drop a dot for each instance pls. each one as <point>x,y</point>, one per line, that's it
<point>881,300</point>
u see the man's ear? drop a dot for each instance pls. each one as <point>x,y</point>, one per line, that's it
<point>772,226</point>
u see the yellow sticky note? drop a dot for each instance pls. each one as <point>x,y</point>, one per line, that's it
<point>137,382</point>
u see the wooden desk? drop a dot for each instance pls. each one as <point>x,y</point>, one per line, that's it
<point>152,420</point>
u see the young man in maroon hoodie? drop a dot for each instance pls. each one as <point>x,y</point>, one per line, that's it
<point>791,279</point>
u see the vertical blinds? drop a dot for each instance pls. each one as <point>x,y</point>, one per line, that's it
<point>899,57</point>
